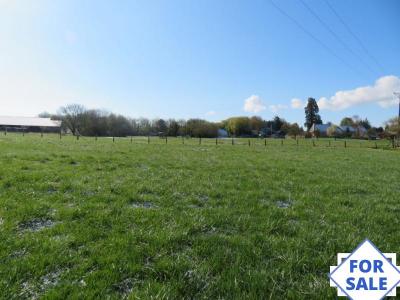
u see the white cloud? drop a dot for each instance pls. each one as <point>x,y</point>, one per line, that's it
<point>211,113</point>
<point>381,93</point>
<point>254,104</point>
<point>296,103</point>
<point>388,103</point>
<point>277,107</point>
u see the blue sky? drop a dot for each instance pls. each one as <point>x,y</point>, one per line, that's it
<point>200,58</point>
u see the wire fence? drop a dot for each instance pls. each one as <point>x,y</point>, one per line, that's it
<point>249,142</point>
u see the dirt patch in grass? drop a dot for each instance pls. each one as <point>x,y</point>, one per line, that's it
<point>195,282</point>
<point>146,204</point>
<point>36,224</point>
<point>28,291</point>
<point>141,166</point>
<point>19,253</point>
<point>51,279</point>
<point>124,287</point>
<point>51,190</point>
<point>203,198</point>
<point>31,290</point>
<point>284,203</point>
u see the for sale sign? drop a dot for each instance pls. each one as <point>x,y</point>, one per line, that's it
<point>366,273</point>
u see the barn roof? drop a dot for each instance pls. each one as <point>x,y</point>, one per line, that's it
<point>28,122</point>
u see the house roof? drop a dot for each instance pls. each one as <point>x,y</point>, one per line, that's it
<point>359,129</point>
<point>347,128</point>
<point>28,122</point>
<point>320,127</point>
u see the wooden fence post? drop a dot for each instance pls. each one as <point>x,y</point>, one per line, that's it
<point>345,144</point>
<point>113,139</point>
<point>148,139</point>
<point>166,140</point>
<point>265,142</point>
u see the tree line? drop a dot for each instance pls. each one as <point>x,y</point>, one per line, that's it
<point>78,120</point>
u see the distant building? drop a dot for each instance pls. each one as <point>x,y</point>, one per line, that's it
<point>265,131</point>
<point>320,129</point>
<point>350,131</point>
<point>356,131</point>
<point>222,133</point>
<point>347,129</point>
<point>29,124</point>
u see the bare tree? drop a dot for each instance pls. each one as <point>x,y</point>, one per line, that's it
<point>393,126</point>
<point>72,116</point>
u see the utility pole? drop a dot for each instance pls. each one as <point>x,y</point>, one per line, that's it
<point>397,94</point>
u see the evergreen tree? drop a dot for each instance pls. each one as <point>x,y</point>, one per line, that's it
<point>312,116</point>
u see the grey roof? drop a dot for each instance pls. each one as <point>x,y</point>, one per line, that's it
<point>28,122</point>
<point>346,128</point>
<point>321,127</point>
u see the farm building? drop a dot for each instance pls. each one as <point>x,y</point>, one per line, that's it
<point>28,124</point>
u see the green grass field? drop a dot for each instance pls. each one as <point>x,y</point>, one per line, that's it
<point>95,219</point>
